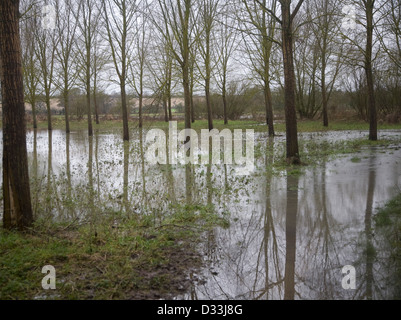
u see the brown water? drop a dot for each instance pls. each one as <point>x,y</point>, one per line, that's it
<point>289,234</point>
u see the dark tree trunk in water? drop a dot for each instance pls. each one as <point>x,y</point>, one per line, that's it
<point>290,237</point>
<point>16,190</point>
<point>289,84</point>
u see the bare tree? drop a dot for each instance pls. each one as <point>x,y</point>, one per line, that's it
<point>225,45</point>
<point>100,59</point>
<point>31,68</point>
<point>66,29</point>
<point>326,30</point>
<point>119,17</point>
<point>87,17</point>
<point>287,43</point>
<point>361,39</point>
<point>16,189</point>
<point>207,22</point>
<point>161,68</point>
<point>138,61</point>
<point>45,49</point>
<point>261,32</point>
<point>176,26</point>
<point>389,30</point>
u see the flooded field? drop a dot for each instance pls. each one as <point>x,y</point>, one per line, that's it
<point>290,233</point>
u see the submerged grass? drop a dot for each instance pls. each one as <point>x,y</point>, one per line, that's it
<point>389,214</point>
<point>314,152</point>
<point>58,122</point>
<point>388,223</point>
<point>120,257</point>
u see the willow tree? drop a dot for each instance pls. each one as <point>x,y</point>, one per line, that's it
<point>16,190</point>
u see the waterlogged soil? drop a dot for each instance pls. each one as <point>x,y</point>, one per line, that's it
<point>291,230</point>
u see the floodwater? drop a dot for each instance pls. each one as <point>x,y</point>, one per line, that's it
<point>289,235</point>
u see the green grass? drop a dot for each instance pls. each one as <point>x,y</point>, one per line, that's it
<point>132,259</point>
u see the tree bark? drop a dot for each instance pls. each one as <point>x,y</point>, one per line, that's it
<point>165,109</point>
<point>140,110</point>
<point>324,65</point>
<point>95,104</point>
<point>66,99</point>
<point>269,109</point>
<point>48,108</point>
<point>289,85</point>
<point>35,122</point>
<point>369,6</point>
<point>224,97</point>
<point>88,108</point>
<point>16,189</point>
<point>324,97</point>
<point>187,97</point>
<point>125,112</point>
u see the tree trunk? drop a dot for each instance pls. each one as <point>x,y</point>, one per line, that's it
<point>324,101</point>
<point>324,64</point>
<point>269,109</point>
<point>16,189</point>
<point>88,108</point>
<point>49,112</point>
<point>66,110</point>
<point>289,86</point>
<point>96,105</point>
<point>369,72</point>
<point>170,115</point>
<point>191,94</point>
<point>140,110</point>
<point>35,122</point>
<point>125,112</point>
<point>224,97</point>
<point>165,108</point>
<point>88,89</point>
<point>187,97</point>
<point>209,106</point>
